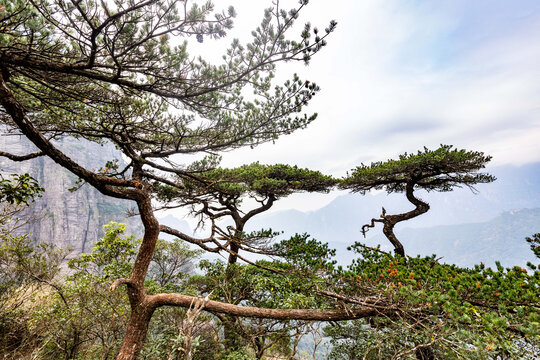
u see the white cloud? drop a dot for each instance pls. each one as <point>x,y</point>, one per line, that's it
<point>397,76</point>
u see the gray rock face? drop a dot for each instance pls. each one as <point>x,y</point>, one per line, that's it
<point>60,217</point>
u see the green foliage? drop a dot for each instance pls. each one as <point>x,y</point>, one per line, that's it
<point>454,311</point>
<point>27,272</point>
<point>78,317</point>
<point>87,321</point>
<point>111,257</point>
<point>438,170</point>
<point>171,266</point>
<point>254,286</point>
<point>286,284</point>
<point>218,193</point>
<point>22,262</point>
<point>534,242</point>
<point>167,344</point>
<point>238,355</point>
<point>306,254</point>
<point>166,339</point>
<point>83,62</point>
<point>254,179</point>
<point>20,189</point>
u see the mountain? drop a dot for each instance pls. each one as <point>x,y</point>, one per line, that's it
<point>467,244</point>
<point>63,218</point>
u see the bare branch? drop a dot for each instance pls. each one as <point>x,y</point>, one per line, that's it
<point>13,157</point>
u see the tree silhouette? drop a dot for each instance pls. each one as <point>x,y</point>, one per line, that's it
<point>220,193</point>
<point>442,169</point>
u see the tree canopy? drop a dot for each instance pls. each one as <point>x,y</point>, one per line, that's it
<point>230,186</point>
<point>441,169</point>
<point>109,70</point>
<point>219,194</point>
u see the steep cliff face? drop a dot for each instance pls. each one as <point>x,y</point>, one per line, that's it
<point>64,218</point>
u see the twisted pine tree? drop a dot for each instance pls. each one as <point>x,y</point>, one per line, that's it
<point>442,169</point>
<point>219,193</point>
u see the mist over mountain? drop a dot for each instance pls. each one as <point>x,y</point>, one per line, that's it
<point>175,223</point>
<point>463,227</point>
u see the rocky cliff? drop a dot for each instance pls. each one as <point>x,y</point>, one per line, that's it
<point>64,218</point>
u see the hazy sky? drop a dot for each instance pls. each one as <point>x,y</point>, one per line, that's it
<point>398,75</point>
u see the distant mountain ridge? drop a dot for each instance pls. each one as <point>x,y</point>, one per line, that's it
<point>501,238</point>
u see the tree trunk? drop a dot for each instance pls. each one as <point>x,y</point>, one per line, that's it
<point>388,231</point>
<point>259,347</point>
<point>390,221</point>
<point>235,248</point>
<point>136,332</point>
<point>142,306</point>
<point>232,257</point>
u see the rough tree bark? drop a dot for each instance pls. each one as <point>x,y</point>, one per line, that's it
<point>390,221</point>
<point>142,307</point>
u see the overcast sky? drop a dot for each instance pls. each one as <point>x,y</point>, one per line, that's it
<point>398,75</point>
